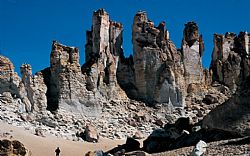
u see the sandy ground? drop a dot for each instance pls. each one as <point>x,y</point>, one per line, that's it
<point>45,146</point>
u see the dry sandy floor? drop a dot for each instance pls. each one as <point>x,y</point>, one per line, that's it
<point>45,146</point>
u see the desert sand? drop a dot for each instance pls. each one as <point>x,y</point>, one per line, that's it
<point>45,146</point>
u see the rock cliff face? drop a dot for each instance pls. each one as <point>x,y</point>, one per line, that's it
<point>230,62</point>
<point>64,79</point>
<point>156,73</point>
<point>192,50</point>
<point>109,86</point>
<point>9,80</point>
<point>102,52</point>
<point>158,69</point>
<point>34,89</point>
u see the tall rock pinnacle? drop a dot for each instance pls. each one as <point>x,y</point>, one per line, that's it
<point>154,62</point>
<point>103,51</point>
<point>192,50</point>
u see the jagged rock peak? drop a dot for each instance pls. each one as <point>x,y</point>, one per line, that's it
<point>154,54</point>
<point>6,65</point>
<point>100,12</point>
<point>230,58</point>
<point>26,69</point>
<point>191,33</point>
<point>63,56</point>
<point>9,79</point>
<point>103,52</point>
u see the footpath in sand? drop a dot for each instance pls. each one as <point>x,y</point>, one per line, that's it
<point>45,146</point>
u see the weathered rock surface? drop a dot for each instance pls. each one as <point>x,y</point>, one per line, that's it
<point>9,80</point>
<point>192,50</point>
<point>103,52</point>
<point>230,59</point>
<point>65,82</point>
<point>112,92</point>
<point>91,134</point>
<point>157,64</point>
<point>234,114</point>
<point>13,148</point>
<point>34,89</point>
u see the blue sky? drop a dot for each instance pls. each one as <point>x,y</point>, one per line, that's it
<point>27,27</point>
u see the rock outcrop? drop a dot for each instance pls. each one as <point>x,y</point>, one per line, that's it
<point>112,92</point>
<point>231,66</point>
<point>230,59</point>
<point>192,50</point>
<point>34,89</point>
<point>13,148</point>
<point>65,82</point>
<point>9,80</point>
<point>102,54</point>
<point>234,114</point>
<point>157,64</point>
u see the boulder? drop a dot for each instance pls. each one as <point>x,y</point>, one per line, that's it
<point>138,135</point>
<point>91,134</point>
<point>200,148</point>
<point>210,99</point>
<point>95,153</point>
<point>234,114</point>
<point>13,148</point>
<point>39,132</point>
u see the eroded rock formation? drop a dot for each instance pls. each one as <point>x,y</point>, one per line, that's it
<point>230,62</point>
<point>192,50</point>
<point>102,54</point>
<point>234,114</point>
<point>109,86</point>
<point>34,89</point>
<point>157,64</point>
<point>9,80</point>
<point>65,82</point>
<point>13,148</point>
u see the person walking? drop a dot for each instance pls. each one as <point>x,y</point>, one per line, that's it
<point>57,151</point>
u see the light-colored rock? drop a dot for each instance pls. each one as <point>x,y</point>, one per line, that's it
<point>9,80</point>
<point>35,89</point>
<point>91,134</point>
<point>154,63</point>
<point>138,135</point>
<point>192,49</point>
<point>103,51</point>
<point>200,148</point>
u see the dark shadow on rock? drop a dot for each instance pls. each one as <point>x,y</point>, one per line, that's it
<point>130,145</point>
<point>177,135</point>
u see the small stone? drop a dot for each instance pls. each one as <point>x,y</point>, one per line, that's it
<point>138,135</point>
<point>199,149</point>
